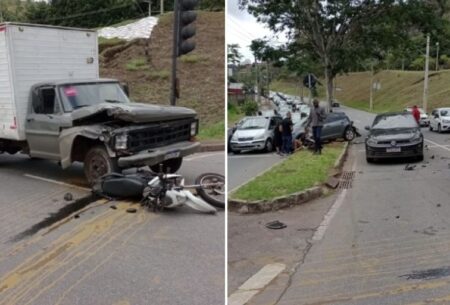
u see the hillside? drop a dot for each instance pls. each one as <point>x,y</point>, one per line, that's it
<point>201,72</point>
<point>398,89</point>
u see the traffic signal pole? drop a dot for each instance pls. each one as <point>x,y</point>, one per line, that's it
<point>176,28</point>
<point>425,80</point>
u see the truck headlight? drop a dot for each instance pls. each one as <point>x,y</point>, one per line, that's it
<point>121,141</point>
<point>194,129</point>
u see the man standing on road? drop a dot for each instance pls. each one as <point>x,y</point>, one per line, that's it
<point>316,119</point>
<point>416,114</point>
<point>286,132</point>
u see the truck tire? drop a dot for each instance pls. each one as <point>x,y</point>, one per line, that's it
<point>98,163</point>
<point>172,164</point>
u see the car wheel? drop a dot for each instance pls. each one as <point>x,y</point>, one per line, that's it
<point>98,163</point>
<point>439,128</point>
<point>269,146</point>
<point>173,165</point>
<point>420,158</point>
<point>370,160</point>
<point>349,134</point>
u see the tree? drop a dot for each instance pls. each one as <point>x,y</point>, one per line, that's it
<point>233,55</point>
<point>341,33</point>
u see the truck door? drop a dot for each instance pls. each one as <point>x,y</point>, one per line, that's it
<point>44,123</point>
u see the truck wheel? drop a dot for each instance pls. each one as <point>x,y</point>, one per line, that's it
<point>97,163</point>
<point>173,165</point>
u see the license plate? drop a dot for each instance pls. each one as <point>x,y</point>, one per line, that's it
<point>393,149</point>
<point>172,155</point>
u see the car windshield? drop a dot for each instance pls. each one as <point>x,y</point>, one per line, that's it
<point>76,96</point>
<point>445,112</point>
<point>397,121</point>
<point>254,123</point>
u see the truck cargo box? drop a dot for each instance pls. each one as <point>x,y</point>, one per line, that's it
<point>31,54</point>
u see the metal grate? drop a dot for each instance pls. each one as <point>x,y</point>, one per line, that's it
<point>346,180</point>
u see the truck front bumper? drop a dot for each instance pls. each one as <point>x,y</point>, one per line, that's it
<point>159,155</point>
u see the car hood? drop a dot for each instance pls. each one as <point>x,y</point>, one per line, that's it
<point>249,133</point>
<point>393,134</point>
<point>131,112</point>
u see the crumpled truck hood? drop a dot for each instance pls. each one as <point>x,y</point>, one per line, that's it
<point>132,112</point>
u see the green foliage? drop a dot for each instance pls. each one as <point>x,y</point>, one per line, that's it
<point>137,64</point>
<point>250,107</point>
<point>233,55</point>
<point>212,5</point>
<point>192,58</point>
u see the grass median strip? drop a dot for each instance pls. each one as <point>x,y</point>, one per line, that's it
<point>300,171</point>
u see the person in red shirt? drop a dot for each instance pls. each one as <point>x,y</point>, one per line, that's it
<point>416,114</point>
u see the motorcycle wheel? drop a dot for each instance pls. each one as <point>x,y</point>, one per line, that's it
<point>214,195</point>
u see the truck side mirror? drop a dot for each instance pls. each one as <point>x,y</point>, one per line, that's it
<point>367,128</point>
<point>125,88</point>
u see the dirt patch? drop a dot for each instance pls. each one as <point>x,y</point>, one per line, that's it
<point>201,72</point>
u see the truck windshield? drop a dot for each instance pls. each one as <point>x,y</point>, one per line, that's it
<point>76,96</point>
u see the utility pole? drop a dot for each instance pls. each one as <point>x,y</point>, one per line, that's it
<point>258,92</point>
<point>268,77</point>
<point>425,81</point>
<point>437,56</point>
<point>310,89</point>
<point>161,6</point>
<point>371,87</point>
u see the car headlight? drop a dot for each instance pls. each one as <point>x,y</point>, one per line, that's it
<point>234,137</point>
<point>416,138</point>
<point>371,141</point>
<point>260,137</point>
<point>194,129</point>
<point>446,121</point>
<point>121,141</point>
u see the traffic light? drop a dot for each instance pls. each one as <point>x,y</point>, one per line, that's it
<point>186,30</point>
<point>309,81</point>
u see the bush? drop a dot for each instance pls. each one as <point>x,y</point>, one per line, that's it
<point>137,64</point>
<point>250,107</point>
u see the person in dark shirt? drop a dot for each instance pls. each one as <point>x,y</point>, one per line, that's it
<point>277,138</point>
<point>286,133</point>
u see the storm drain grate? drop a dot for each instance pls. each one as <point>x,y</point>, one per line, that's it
<point>346,180</point>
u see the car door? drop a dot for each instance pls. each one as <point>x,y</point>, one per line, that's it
<point>43,124</point>
<point>331,127</point>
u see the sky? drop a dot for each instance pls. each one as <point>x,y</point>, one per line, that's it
<point>242,28</point>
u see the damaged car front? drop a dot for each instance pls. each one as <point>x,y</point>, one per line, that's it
<point>132,134</point>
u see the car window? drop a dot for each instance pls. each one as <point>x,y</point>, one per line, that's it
<point>445,112</point>
<point>45,101</point>
<point>404,120</point>
<point>253,123</point>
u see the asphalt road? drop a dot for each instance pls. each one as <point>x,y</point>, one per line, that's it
<point>104,255</point>
<point>387,243</point>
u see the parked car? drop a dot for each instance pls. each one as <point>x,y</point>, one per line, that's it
<point>394,135</point>
<point>335,103</point>
<point>337,125</point>
<point>424,120</point>
<point>255,133</point>
<point>440,119</point>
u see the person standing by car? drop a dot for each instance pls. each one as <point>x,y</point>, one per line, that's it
<point>416,114</point>
<point>316,118</point>
<point>286,132</point>
<point>277,138</point>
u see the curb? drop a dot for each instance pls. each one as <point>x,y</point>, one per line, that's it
<point>208,147</point>
<point>288,201</point>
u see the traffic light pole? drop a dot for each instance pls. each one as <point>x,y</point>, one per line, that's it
<point>176,26</point>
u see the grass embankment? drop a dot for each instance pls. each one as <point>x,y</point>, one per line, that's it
<point>399,89</point>
<point>300,171</point>
<point>234,114</point>
<point>200,73</point>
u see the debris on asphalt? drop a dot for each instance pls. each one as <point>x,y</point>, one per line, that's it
<point>131,210</point>
<point>432,157</point>
<point>113,207</point>
<point>76,216</point>
<point>423,165</point>
<point>409,167</point>
<point>397,217</point>
<point>243,210</point>
<point>429,274</point>
<point>68,197</point>
<point>438,205</point>
<point>275,225</point>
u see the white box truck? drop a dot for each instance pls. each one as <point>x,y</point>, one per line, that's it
<point>53,105</point>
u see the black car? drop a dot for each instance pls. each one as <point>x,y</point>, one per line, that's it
<point>394,135</point>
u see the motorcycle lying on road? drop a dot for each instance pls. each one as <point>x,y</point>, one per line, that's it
<point>165,191</point>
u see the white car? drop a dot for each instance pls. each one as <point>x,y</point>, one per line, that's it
<point>424,120</point>
<point>440,119</point>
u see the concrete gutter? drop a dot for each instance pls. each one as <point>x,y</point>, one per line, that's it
<point>210,146</point>
<point>287,201</point>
